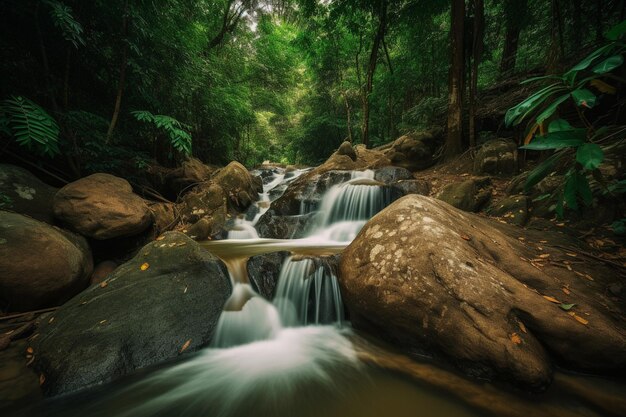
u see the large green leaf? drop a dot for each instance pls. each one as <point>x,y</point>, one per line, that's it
<point>517,113</point>
<point>552,108</point>
<point>558,140</point>
<point>570,191</point>
<point>616,31</point>
<point>589,155</point>
<point>584,98</point>
<point>559,125</point>
<point>608,64</point>
<point>570,76</point>
<point>542,170</point>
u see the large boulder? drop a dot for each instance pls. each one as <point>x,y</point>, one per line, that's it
<point>436,280</point>
<point>346,149</point>
<point>23,193</point>
<point>163,302</point>
<point>469,195</point>
<point>496,157</point>
<point>264,270</point>
<point>415,151</point>
<point>241,187</point>
<point>102,206</point>
<point>40,265</point>
<point>171,182</point>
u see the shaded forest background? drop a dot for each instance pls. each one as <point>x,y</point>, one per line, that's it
<point>128,83</point>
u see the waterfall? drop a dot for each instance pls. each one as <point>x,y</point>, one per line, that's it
<point>308,293</point>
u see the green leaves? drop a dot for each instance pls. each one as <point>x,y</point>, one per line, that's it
<point>176,131</point>
<point>584,98</point>
<point>590,156</point>
<point>608,64</point>
<point>552,108</point>
<point>616,31</point>
<point>518,113</point>
<point>30,125</point>
<point>576,186</point>
<point>557,140</point>
<point>62,18</point>
<point>541,171</point>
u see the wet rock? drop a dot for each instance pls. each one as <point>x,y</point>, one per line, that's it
<point>40,265</point>
<point>23,193</point>
<point>412,187</point>
<point>470,195</point>
<point>416,150</point>
<point>514,209</point>
<point>392,174</point>
<point>496,157</point>
<point>275,226</point>
<point>263,272</point>
<point>436,280</point>
<point>346,149</point>
<point>102,206</point>
<point>163,302</point>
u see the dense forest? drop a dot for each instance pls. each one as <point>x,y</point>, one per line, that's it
<point>133,82</point>
<point>233,208</point>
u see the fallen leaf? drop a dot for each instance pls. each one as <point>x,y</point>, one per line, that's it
<point>522,327</point>
<point>551,299</point>
<point>560,224</point>
<point>102,321</point>
<point>544,255</point>
<point>566,290</point>
<point>515,338</point>
<point>29,350</point>
<point>51,320</point>
<point>42,379</point>
<point>160,237</point>
<point>578,318</point>
<point>465,237</point>
<point>185,292</point>
<point>144,266</point>
<point>543,241</point>
<point>185,346</point>
<point>571,254</point>
<point>103,284</point>
<point>32,359</point>
<point>566,307</point>
<point>521,238</point>
<point>182,244</point>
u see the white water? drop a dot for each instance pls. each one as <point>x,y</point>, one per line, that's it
<point>264,360</point>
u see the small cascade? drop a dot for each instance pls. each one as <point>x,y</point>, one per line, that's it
<point>308,293</point>
<point>346,207</point>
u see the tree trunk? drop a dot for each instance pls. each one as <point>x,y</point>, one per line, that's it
<point>515,12</point>
<point>477,49</point>
<point>453,144</point>
<point>555,54</point>
<point>122,78</point>
<point>371,69</point>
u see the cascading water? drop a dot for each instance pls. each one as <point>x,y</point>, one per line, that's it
<point>308,293</point>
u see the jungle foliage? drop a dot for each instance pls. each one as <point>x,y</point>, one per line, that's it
<point>97,85</point>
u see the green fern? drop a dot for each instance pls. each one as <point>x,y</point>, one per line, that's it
<point>62,19</point>
<point>30,125</point>
<point>176,131</point>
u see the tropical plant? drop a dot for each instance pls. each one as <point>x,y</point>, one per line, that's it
<point>177,132</point>
<point>30,125</point>
<point>581,148</point>
<point>63,19</point>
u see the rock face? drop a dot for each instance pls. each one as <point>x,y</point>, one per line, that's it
<point>470,195</point>
<point>23,193</point>
<point>346,149</point>
<point>496,157</point>
<point>164,301</point>
<point>264,270</point>
<point>102,206</point>
<point>415,151</point>
<point>40,266</point>
<point>172,181</point>
<point>241,187</point>
<point>437,280</point>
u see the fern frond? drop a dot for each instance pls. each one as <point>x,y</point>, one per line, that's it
<point>30,125</point>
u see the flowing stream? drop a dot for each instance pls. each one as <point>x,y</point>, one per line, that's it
<point>292,355</point>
